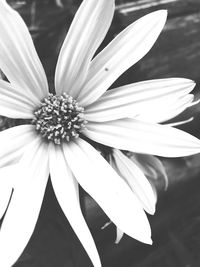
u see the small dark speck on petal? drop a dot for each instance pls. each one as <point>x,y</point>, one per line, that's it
<point>106,69</point>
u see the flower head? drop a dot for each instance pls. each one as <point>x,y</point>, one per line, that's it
<point>124,118</point>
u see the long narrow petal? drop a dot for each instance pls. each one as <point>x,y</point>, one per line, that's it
<point>110,191</point>
<point>86,33</point>
<point>66,190</point>
<point>167,109</point>
<point>12,90</point>
<point>138,98</point>
<point>124,51</point>
<point>19,60</point>
<point>135,178</point>
<point>13,142</point>
<point>114,165</point>
<point>21,216</point>
<point>13,103</point>
<point>145,138</point>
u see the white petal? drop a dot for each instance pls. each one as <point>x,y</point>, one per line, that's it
<point>19,60</point>
<point>14,103</point>
<point>138,99</point>
<point>13,142</point>
<point>167,109</point>
<point>24,208</point>
<point>142,137</point>
<point>136,180</point>
<point>124,51</point>
<point>27,97</point>
<point>66,190</point>
<point>86,33</point>
<point>151,166</point>
<point>109,190</point>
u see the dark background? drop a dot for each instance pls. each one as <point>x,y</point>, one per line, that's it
<point>176,224</point>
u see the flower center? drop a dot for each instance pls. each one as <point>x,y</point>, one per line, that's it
<point>59,118</point>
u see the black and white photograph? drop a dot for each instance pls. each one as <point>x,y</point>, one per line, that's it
<point>99,133</point>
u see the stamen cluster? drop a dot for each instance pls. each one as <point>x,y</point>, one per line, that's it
<point>59,118</point>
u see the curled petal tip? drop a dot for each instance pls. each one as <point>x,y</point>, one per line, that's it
<point>147,240</point>
<point>192,84</point>
<point>165,11</point>
<point>188,81</point>
<point>150,242</point>
<point>152,210</point>
<point>162,13</point>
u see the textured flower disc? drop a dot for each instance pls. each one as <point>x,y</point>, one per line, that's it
<point>59,118</point>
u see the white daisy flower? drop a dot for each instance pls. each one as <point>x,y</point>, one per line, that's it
<point>53,140</point>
